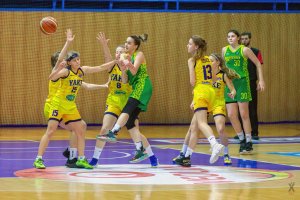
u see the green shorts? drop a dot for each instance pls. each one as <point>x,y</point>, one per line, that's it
<point>243,92</point>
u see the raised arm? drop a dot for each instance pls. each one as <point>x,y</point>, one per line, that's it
<point>60,63</point>
<point>104,43</point>
<point>249,54</point>
<point>59,71</point>
<point>105,66</point>
<point>90,86</point>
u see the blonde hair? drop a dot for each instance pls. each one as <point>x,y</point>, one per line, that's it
<point>231,74</point>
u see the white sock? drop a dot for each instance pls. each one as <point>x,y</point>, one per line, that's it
<point>189,152</point>
<point>73,153</point>
<point>97,152</point>
<point>138,145</point>
<point>226,150</point>
<point>81,157</point>
<point>149,151</point>
<point>241,135</point>
<point>38,157</point>
<point>248,137</point>
<point>212,140</point>
<point>184,148</point>
<point>116,128</point>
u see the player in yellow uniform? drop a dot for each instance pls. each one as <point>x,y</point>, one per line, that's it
<point>202,75</point>
<point>116,100</point>
<point>63,105</point>
<point>224,76</point>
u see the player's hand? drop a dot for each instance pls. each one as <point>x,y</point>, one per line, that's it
<point>70,36</point>
<point>232,94</point>
<point>102,39</point>
<point>261,86</point>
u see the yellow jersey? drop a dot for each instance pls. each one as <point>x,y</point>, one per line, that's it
<point>219,86</point>
<point>52,88</point>
<point>118,91</point>
<point>64,99</point>
<point>203,71</point>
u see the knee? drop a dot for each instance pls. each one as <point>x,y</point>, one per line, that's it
<point>130,124</point>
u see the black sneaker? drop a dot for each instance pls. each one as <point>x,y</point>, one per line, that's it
<point>242,146</point>
<point>178,159</point>
<point>236,137</point>
<point>255,137</point>
<point>66,153</point>
<point>71,163</point>
<point>186,162</point>
<point>248,148</point>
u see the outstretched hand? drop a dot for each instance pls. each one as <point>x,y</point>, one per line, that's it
<point>70,36</point>
<point>102,39</point>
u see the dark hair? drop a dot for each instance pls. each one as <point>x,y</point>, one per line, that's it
<point>54,58</point>
<point>202,46</point>
<point>246,33</point>
<point>231,74</point>
<point>234,31</point>
<point>71,55</point>
<point>139,38</point>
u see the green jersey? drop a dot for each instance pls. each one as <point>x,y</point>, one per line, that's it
<point>236,60</point>
<point>141,85</point>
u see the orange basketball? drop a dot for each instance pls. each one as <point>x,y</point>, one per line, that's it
<point>48,25</point>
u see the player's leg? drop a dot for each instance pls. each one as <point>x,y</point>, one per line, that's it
<point>129,108</point>
<point>79,130</point>
<point>220,126</point>
<point>109,120</point>
<point>51,128</point>
<point>244,111</point>
<point>233,113</point>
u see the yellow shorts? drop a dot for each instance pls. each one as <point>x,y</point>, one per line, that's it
<point>59,115</point>
<point>204,97</point>
<point>113,110</point>
<point>46,110</point>
<point>219,110</point>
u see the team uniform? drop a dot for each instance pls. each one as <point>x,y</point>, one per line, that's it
<point>219,107</point>
<point>52,87</point>
<point>141,85</point>
<point>63,106</point>
<point>204,93</point>
<point>238,62</point>
<point>118,93</point>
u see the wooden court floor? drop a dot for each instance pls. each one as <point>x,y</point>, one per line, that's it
<point>270,183</point>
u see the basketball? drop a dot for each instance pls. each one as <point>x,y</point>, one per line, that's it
<point>48,25</point>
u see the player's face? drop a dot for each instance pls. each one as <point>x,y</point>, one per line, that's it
<point>130,46</point>
<point>119,51</point>
<point>232,38</point>
<point>75,62</point>
<point>191,46</point>
<point>245,40</point>
<point>215,63</point>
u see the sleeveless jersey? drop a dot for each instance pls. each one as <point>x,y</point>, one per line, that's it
<point>52,88</point>
<point>236,60</point>
<point>219,86</point>
<point>203,71</point>
<point>67,92</point>
<point>141,84</point>
<point>118,92</point>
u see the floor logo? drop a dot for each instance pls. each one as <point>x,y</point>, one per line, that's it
<point>163,175</point>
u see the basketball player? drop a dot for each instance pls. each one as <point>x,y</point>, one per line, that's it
<point>236,56</point>
<point>138,78</point>
<point>202,76</point>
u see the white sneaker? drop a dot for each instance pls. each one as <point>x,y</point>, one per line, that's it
<point>217,149</point>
